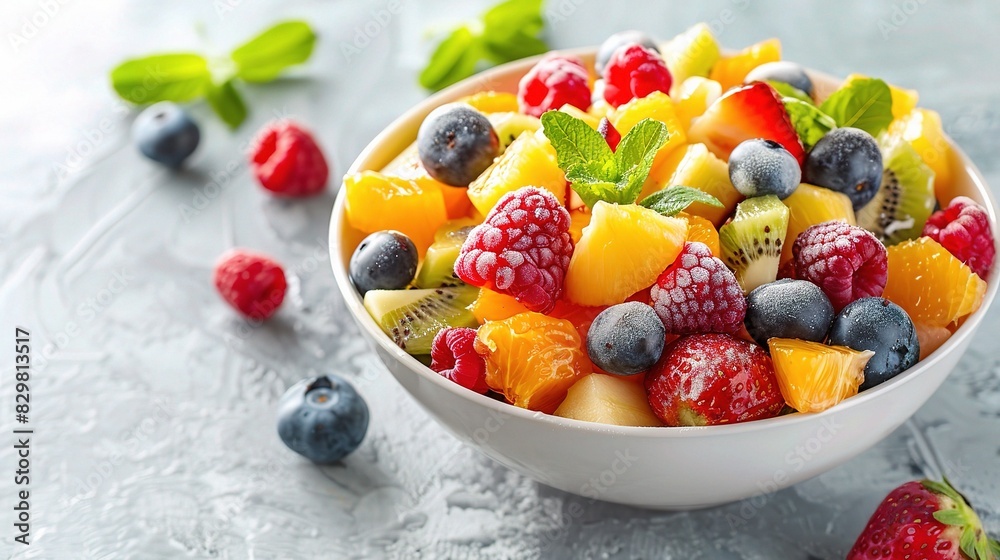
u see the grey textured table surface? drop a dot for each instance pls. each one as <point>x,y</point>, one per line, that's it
<point>154,413</point>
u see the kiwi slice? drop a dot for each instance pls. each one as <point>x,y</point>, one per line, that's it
<point>510,125</point>
<point>411,318</point>
<point>906,198</point>
<point>751,242</point>
<point>438,268</point>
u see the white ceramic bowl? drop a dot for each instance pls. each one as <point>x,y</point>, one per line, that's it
<point>662,468</point>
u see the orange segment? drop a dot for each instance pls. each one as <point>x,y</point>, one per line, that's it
<point>702,231</point>
<point>494,306</point>
<point>529,161</point>
<point>930,338</point>
<point>376,202</point>
<point>732,70</point>
<point>532,359</point>
<point>810,205</point>
<point>407,166</point>
<point>623,250</point>
<point>934,287</point>
<point>493,102</point>
<point>813,376</point>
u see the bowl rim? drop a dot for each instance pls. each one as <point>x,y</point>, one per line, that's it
<point>372,331</point>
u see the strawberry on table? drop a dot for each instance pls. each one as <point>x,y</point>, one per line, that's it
<point>924,520</point>
<point>745,113</point>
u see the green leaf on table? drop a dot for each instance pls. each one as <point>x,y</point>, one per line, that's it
<point>786,90</point>
<point>226,101</point>
<point>162,77</point>
<point>264,57</point>
<point>809,121</point>
<point>594,171</point>
<point>865,103</point>
<point>453,60</point>
<point>508,31</point>
<point>671,200</point>
<point>511,30</point>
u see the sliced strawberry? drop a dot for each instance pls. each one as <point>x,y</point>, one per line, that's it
<point>743,113</point>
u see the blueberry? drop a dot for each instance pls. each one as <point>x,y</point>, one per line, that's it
<point>625,339</point>
<point>385,260</point>
<point>622,38</point>
<point>323,419</point>
<point>846,160</point>
<point>784,72</point>
<point>877,324</point>
<point>762,167</point>
<point>165,133</point>
<point>788,309</point>
<point>456,143</point>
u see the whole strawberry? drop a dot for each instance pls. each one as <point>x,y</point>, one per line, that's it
<point>253,284</point>
<point>287,161</point>
<point>709,379</point>
<point>924,520</point>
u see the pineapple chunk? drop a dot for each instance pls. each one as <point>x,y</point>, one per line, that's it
<point>701,169</point>
<point>608,399</point>
<point>810,205</point>
<point>529,160</point>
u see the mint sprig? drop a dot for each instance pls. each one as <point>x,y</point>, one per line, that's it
<point>508,31</point>
<point>594,171</point>
<point>672,200</point>
<point>183,77</point>
<point>864,103</point>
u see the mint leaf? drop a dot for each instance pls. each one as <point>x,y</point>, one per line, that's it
<point>453,60</point>
<point>508,31</point>
<point>810,122</point>
<point>635,155</point>
<point>786,90</point>
<point>265,56</point>
<point>162,77</point>
<point>591,181</point>
<point>672,200</point>
<point>864,103</point>
<point>574,141</point>
<point>226,101</point>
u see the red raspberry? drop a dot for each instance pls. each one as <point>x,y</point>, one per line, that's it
<point>698,294</point>
<point>253,284</point>
<point>522,249</point>
<point>634,71</point>
<point>453,356</point>
<point>287,161</point>
<point>964,229</point>
<point>610,133</point>
<point>555,81</point>
<point>847,262</point>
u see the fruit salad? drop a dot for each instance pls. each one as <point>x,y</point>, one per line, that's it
<point>672,236</point>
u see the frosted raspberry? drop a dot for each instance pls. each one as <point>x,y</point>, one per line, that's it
<point>287,161</point>
<point>634,71</point>
<point>522,249</point>
<point>555,81</point>
<point>698,294</point>
<point>847,262</point>
<point>453,356</point>
<point>253,284</point>
<point>964,229</point>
